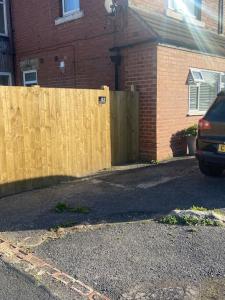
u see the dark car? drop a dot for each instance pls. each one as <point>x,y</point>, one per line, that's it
<point>211,139</point>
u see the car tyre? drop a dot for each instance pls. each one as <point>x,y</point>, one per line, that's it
<point>210,170</point>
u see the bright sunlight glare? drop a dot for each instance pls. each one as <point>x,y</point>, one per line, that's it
<point>187,7</point>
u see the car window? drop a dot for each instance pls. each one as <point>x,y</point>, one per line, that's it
<point>217,111</point>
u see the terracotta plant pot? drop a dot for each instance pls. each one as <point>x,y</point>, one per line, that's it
<point>191,143</point>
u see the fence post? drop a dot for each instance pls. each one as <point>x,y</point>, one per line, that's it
<point>108,121</point>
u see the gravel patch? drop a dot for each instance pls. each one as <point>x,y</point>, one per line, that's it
<point>121,259</point>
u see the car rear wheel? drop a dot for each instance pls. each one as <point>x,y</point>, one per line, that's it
<point>210,170</point>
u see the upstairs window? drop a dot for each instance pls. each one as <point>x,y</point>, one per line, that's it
<point>70,6</point>
<point>189,8</point>
<point>3,23</point>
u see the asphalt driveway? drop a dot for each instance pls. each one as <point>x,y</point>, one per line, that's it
<point>15,286</point>
<point>120,250</point>
<point>122,196</point>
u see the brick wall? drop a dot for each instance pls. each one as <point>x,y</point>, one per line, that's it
<point>139,69</point>
<point>172,94</point>
<point>83,44</point>
<point>209,10</point>
<point>152,5</point>
<point>210,14</point>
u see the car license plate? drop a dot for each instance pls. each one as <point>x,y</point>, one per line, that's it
<point>221,148</point>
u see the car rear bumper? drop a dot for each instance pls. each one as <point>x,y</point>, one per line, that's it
<point>211,158</point>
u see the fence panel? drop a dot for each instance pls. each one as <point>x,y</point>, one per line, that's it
<point>124,127</point>
<point>48,135</point>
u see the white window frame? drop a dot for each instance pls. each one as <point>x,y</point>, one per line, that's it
<point>32,82</point>
<point>7,74</point>
<point>194,112</point>
<point>192,70</point>
<point>66,13</point>
<point>197,112</point>
<point>171,6</point>
<point>5,18</point>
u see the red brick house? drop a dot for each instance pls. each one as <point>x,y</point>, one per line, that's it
<point>173,51</point>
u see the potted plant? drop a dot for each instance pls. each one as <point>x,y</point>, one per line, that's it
<point>191,134</point>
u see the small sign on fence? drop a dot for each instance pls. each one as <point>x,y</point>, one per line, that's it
<point>102,100</point>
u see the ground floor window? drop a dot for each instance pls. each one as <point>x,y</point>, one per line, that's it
<point>204,86</point>
<point>30,78</point>
<point>5,78</point>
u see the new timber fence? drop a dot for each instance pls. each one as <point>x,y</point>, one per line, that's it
<point>48,135</point>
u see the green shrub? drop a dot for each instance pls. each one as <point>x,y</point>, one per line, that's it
<point>192,131</point>
<point>188,221</point>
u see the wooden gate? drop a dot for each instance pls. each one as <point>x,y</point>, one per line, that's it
<point>124,127</point>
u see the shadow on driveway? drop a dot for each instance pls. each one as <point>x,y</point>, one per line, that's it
<point>125,196</point>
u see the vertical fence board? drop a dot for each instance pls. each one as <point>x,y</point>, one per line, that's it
<point>124,127</point>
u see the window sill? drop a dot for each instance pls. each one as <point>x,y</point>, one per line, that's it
<point>70,17</point>
<point>4,35</point>
<point>194,21</point>
<point>177,15</point>
<point>174,14</point>
<point>196,113</point>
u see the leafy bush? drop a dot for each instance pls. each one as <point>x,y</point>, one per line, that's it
<point>171,220</point>
<point>192,131</point>
<point>188,221</point>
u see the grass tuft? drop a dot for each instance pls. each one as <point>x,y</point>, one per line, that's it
<point>63,207</point>
<point>198,208</point>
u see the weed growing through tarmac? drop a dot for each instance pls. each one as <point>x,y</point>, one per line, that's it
<point>63,207</point>
<point>215,210</point>
<point>188,221</point>
<point>154,162</point>
<point>198,208</point>
<point>64,225</point>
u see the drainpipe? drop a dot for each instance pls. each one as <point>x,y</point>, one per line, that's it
<point>116,60</point>
<point>12,42</point>
<point>221,17</point>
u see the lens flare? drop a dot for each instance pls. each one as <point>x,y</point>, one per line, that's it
<point>188,9</point>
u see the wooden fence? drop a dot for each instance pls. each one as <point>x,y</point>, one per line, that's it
<point>48,135</point>
<point>124,112</point>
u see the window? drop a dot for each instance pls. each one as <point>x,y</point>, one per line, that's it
<point>3,23</point>
<point>197,75</point>
<point>70,6</point>
<point>203,88</point>
<point>70,11</point>
<point>30,78</point>
<point>189,8</point>
<point>5,78</point>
